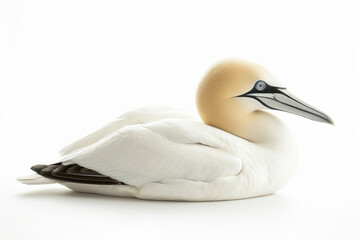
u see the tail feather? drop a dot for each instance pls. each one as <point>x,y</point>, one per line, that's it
<point>36,179</point>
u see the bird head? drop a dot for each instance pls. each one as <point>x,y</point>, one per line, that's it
<point>234,93</point>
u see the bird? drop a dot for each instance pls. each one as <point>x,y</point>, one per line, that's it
<point>239,150</point>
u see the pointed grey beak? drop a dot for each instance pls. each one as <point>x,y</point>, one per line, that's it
<point>280,99</point>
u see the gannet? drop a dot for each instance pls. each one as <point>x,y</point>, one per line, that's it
<point>239,151</point>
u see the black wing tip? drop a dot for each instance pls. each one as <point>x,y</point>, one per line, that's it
<point>73,173</point>
<point>37,168</point>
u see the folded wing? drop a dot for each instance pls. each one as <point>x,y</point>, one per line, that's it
<point>159,151</point>
<point>138,116</point>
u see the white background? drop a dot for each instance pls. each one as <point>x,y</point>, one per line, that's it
<point>67,67</point>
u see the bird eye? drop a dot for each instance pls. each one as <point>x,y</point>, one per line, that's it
<point>260,85</point>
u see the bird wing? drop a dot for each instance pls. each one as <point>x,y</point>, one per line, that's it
<point>138,116</point>
<point>159,151</point>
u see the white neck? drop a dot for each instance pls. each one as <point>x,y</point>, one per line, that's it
<point>261,127</point>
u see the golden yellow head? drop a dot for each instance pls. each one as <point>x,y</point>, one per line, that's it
<point>233,93</point>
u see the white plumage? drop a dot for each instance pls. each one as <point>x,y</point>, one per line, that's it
<point>165,154</point>
<point>169,156</point>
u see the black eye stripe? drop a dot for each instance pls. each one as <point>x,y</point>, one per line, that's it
<point>265,89</point>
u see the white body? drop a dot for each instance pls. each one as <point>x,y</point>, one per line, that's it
<point>164,154</point>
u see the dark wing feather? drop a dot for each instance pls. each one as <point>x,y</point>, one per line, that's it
<point>73,173</point>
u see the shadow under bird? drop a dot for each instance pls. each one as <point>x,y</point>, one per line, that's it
<point>240,150</point>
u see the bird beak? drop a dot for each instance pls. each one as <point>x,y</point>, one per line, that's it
<point>283,100</point>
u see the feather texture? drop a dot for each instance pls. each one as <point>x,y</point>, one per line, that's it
<point>166,149</point>
<point>138,116</point>
<point>163,154</point>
